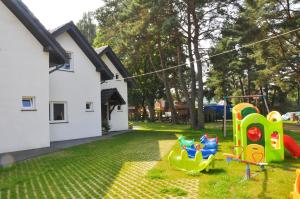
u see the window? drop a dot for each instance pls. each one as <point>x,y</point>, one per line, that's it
<point>89,107</point>
<point>28,103</point>
<point>58,112</point>
<point>69,65</point>
<point>119,108</point>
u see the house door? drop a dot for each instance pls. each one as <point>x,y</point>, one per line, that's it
<point>104,112</point>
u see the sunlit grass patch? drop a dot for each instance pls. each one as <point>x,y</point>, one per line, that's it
<point>156,174</point>
<point>174,191</point>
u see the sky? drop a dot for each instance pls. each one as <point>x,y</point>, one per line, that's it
<point>53,13</point>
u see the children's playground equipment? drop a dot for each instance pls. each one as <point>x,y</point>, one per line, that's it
<point>296,193</point>
<point>210,146</point>
<point>225,109</point>
<point>291,145</point>
<point>231,157</point>
<point>184,163</point>
<point>259,139</point>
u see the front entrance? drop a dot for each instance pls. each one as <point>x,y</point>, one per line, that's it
<point>104,112</point>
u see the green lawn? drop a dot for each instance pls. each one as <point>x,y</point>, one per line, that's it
<point>134,165</point>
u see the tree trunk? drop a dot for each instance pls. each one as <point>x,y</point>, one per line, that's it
<point>249,82</point>
<point>192,68</point>
<point>144,112</point>
<point>273,98</point>
<point>150,103</point>
<point>166,82</point>
<point>183,84</point>
<point>200,115</point>
<point>177,93</point>
<point>242,86</point>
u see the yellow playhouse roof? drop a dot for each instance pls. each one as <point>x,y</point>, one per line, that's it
<point>241,106</point>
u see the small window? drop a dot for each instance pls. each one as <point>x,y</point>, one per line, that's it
<point>119,108</point>
<point>89,106</point>
<point>117,76</point>
<point>68,66</point>
<point>58,111</point>
<point>28,103</point>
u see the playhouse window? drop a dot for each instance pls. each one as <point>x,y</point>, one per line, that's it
<point>275,143</point>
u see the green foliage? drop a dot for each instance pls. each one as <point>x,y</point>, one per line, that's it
<point>87,27</point>
<point>270,67</point>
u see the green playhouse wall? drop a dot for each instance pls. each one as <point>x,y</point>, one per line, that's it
<point>266,126</point>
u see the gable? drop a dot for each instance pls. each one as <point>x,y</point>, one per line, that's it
<point>83,44</point>
<point>115,65</point>
<point>78,56</point>
<point>33,25</point>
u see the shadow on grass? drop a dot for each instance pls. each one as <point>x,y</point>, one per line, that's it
<point>264,185</point>
<point>216,171</point>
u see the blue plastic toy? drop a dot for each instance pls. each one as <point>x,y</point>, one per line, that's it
<point>210,146</point>
<point>209,143</point>
<point>205,152</point>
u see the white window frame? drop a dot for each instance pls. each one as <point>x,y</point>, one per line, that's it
<point>52,121</point>
<point>71,63</point>
<point>91,109</point>
<point>32,102</point>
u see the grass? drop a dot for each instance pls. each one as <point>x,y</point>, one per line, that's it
<point>135,165</point>
<point>174,191</point>
<point>290,122</point>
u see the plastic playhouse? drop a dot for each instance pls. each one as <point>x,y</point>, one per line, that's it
<point>296,193</point>
<point>210,146</point>
<point>260,139</point>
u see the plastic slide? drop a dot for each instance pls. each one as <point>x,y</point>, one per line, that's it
<point>181,161</point>
<point>291,145</point>
<point>296,193</point>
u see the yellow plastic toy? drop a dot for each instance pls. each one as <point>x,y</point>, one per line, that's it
<point>296,193</point>
<point>181,161</point>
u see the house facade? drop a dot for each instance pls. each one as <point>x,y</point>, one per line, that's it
<point>24,78</point>
<point>75,100</point>
<point>37,107</point>
<point>114,112</point>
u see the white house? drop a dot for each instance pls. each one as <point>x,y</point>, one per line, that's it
<point>39,104</point>
<point>115,112</point>
<point>75,99</point>
<point>26,50</point>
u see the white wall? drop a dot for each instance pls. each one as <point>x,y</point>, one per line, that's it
<point>76,88</point>
<point>24,71</point>
<point>119,119</point>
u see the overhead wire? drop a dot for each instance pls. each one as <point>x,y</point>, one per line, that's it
<point>211,56</point>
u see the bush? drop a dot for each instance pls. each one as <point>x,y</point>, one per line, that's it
<point>105,126</point>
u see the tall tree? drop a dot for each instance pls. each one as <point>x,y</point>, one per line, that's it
<point>87,27</point>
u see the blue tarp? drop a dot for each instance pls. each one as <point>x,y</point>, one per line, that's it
<point>219,109</point>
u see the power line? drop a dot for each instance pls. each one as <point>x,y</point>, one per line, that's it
<point>215,55</point>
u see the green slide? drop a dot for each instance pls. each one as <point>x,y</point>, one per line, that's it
<point>184,163</point>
